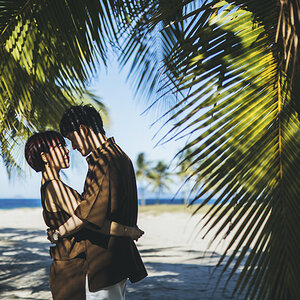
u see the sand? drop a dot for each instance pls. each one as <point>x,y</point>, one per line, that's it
<point>178,260</point>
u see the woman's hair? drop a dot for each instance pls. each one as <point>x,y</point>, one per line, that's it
<point>78,115</point>
<point>38,143</point>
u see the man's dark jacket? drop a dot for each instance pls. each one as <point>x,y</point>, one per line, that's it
<point>110,193</point>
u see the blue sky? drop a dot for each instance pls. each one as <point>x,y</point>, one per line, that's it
<point>131,129</point>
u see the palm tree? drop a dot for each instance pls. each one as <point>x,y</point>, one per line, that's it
<point>226,74</point>
<point>232,68</point>
<point>185,172</point>
<point>142,173</point>
<point>191,180</point>
<point>160,178</point>
<point>48,52</point>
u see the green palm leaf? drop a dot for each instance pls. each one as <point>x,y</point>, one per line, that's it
<point>241,113</point>
<point>239,109</point>
<point>146,41</point>
<point>49,49</point>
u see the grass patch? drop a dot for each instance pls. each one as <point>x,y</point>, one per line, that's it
<point>171,208</point>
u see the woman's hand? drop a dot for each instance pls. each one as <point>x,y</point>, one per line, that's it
<point>50,236</point>
<point>135,233</point>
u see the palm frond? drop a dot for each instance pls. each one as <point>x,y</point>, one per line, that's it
<point>49,49</point>
<point>240,112</point>
<point>146,41</point>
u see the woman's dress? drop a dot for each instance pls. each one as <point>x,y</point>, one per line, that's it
<point>68,269</point>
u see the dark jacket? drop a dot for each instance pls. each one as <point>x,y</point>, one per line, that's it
<point>110,193</point>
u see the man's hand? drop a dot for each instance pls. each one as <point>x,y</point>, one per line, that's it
<point>135,233</point>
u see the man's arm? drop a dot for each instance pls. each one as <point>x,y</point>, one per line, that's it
<point>67,199</point>
<point>73,224</point>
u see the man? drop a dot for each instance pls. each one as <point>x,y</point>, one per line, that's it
<point>109,193</point>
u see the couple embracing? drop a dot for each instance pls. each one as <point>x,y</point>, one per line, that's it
<point>94,253</point>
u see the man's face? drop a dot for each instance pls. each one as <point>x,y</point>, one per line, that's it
<point>80,142</point>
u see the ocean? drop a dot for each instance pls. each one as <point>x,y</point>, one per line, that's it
<point>11,203</point>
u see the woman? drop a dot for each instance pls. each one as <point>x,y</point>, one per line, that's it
<point>46,152</point>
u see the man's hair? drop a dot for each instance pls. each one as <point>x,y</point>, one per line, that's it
<point>78,115</point>
<point>38,143</point>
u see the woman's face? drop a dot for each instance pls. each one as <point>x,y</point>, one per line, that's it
<point>58,157</point>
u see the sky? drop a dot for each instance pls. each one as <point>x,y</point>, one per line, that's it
<point>132,129</point>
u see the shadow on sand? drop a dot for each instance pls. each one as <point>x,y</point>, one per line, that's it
<point>25,262</point>
<point>192,280</point>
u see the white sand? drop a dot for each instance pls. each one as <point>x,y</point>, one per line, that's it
<point>177,259</point>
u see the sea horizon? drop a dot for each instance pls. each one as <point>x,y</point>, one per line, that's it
<point>13,203</point>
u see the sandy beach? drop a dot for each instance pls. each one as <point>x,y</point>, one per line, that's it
<point>178,260</point>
